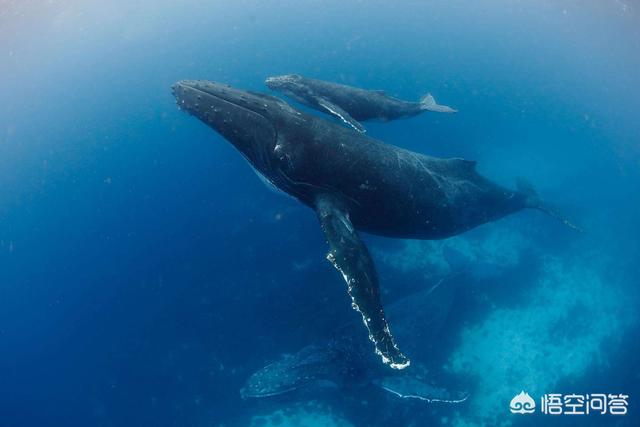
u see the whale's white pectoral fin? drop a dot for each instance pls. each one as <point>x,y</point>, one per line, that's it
<point>350,256</point>
<point>341,114</point>
<point>406,387</point>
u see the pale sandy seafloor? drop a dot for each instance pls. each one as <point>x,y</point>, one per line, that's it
<point>570,324</point>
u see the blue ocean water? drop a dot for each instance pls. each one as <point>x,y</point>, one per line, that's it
<point>145,272</point>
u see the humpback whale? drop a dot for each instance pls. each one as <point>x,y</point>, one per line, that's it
<point>345,362</point>
<point>351,104</point>
<point>353,183</point>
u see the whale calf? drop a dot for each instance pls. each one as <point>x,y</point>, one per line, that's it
<point>353,183</point>
<point>350,104</point>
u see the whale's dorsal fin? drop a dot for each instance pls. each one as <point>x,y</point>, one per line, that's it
<point>341,114</point>
<point>350,256</point>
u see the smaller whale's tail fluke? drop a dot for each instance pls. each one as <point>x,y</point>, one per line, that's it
<point>533,201</point>
<point>428,102</point>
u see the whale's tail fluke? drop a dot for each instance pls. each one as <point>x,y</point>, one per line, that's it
<point>533,201</point>
<point>429,103</point>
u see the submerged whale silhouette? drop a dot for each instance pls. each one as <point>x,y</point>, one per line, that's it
<point>346,363</point>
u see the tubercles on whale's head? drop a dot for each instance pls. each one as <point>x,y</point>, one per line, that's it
<point>247,119</point>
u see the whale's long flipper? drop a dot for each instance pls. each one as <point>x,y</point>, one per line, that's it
<point>406,387</point>
<point>350,256</point>
<point>341,114</point>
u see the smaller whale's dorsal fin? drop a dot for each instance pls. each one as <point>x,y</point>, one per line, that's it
<point>337,111</point>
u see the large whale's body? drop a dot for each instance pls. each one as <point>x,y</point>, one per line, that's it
<point>352,182</point>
